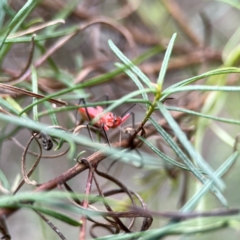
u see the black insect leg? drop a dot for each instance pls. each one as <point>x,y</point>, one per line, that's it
<point>106,136</point>
<point>82,100</point>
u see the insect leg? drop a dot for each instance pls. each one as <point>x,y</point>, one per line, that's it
<point>106,136</point>
<point>82,100</point>
<point>89,131</point>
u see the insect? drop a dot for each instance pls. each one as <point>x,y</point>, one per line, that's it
<point>106,121</point>
<point>46,141</point>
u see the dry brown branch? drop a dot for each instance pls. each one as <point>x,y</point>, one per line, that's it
<point>187,60</point>
<point>180,18</point>
<point>15,91</point>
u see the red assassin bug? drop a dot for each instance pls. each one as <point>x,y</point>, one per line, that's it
<point>106,121</point>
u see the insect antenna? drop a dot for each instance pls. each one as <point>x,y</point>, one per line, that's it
<point>128,109</point>
<point>169,98</point>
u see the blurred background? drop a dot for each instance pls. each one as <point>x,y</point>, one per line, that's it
<point>207,38</point>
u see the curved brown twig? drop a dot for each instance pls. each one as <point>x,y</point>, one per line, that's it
<point>36,154</point>
<point>148,220</point>
<point>28,62</point>
<point>83,227</point>
<point>107,227</point>
<point>117,220</point>
<point>78,203</point>
<point>23,164</point>
<point>58,44</point>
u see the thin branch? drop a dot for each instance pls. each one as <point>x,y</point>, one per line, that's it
<point>180,18</point>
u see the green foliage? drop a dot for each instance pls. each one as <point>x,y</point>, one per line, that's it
<point>187,156</point>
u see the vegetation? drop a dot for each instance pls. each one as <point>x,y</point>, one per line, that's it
<point>173,170</point>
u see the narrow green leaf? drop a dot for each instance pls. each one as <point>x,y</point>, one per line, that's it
<point>134,78</point>
<point>42,37</point>
<point>53,198</point>
<point>186,160</point>
<point>16,182</point>
<point>10,134</point>
<point>18,20</point>
<point>2,11</point>
<point>8,106</point>
<point>14,104</point>
<point>51,113</point>
<point>230,46</point>
<point>51,63</point>
<point>71,139</point>
<point>91,82</point>
<point>4,180</point>
<point>234,4</point>
<point>219,119</point>
<point>164,156</point>
<point>63,14</point>
<point>224,135</point>
<point>184,227</point>
<point>202,88</point>
<point>28,123</point>
<point>104,103</point>
<point>9,11</point>
<point>46,197</point>
<point>188,146</point>
<point>177,150</point>
<point>130,64</point>
<point>34,90</point>
<point>207,185</point>
<point>165,61</point>
<point>204,75</point>
<point>60,216</point>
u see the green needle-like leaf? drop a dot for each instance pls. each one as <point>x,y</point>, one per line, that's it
<point>128,63</point>
<point>18,20</point>
<point>165,61</point>
<point>188,146</point>
<point>220,172</point>
<point>35,90</point>
<point>60,216</point>
<point>219,119</point>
